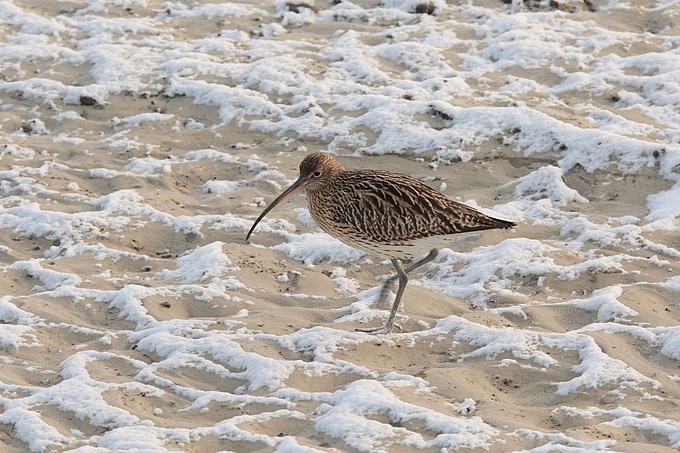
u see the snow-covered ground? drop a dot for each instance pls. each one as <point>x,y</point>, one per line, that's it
<point>139,139</point>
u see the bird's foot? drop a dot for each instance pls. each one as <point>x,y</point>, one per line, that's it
<point>383,329</point>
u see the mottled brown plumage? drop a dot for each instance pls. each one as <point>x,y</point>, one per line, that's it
<point>383,213</point>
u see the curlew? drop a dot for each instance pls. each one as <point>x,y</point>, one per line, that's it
<point>383,213</point>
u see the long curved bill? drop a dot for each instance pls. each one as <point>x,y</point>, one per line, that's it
<point>295,188</point>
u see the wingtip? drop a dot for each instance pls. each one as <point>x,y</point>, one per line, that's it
<point>505,224</point>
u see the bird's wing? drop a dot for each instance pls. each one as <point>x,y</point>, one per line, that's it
<point>387,207</point>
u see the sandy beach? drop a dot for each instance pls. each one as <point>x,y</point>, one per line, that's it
<point>140,139</point>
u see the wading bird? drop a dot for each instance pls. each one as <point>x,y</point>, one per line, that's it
<point>387,214</point>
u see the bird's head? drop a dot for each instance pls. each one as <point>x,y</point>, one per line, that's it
<point>316,171</point>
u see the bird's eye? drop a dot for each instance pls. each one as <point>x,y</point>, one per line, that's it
<point>316,174</point>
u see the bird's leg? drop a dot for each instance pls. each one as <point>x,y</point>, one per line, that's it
<point>413,266</point>
<point>423,261</point>
<point>403,281</point>
<point>385,289</point>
